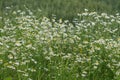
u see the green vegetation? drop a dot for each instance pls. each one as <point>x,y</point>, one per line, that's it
<point>66,9</point>
<point>33,48</point>
<point>59,40</point>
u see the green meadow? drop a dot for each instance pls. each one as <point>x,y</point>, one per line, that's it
<point>59,40</point>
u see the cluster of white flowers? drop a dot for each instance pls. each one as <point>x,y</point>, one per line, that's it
<point>33,47</point>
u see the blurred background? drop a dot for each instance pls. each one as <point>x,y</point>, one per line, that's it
<point>65,9</point>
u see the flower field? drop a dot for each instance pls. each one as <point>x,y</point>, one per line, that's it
<point>33,48</point>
